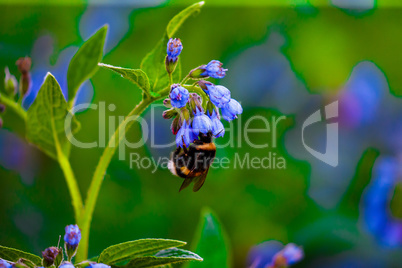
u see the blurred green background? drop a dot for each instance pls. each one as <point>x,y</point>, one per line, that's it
<point>310,48</point>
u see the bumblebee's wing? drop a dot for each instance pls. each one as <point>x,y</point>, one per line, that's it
<point>185,183</point>
<point>199,181</point>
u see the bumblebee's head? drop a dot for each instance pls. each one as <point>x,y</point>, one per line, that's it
<point>207,138</point>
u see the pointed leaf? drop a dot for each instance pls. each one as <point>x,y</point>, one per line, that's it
<point>13,255</point>
<point>211,243</point>
<point>154,62</point>
<point>164,257</point>
<point>46,119</point>
<point>137,248</point>
<point>136,76</point>
<point>85,62</point>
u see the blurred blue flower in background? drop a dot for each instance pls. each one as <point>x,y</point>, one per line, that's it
<point>274,254</point>
<point>378,218</point>
<point>42,51</point>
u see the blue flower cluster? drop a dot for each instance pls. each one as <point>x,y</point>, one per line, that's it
<point>377,216</point>
<point>273,254</point>
<point>196,113</point>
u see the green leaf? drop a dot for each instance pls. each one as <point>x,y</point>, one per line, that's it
<point>211,243</point>
<point>46,119</point>
<point>154,62</point>
<point>137,248</point>
<point>85,62</point>
<point>137,76</point>
<point>13,255</point>
<point>164,257</point>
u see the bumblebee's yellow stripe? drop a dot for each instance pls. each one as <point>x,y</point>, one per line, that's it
<point>185,170</point>
<point>206,147</point>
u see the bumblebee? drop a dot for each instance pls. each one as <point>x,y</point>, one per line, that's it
<point>192,163</point>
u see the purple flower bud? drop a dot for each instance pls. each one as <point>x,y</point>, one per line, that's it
<point>219,95</point>
<point>72,239</point>
<point>98,265</point>
<point>214,69</point>
<point>217,127</point>
<point>24,66</point>
<point>185,135</point>
<point>174,48</point>
<point>49,256</point>
<point>231,110</point>
<point>178,96</point>
<point>4,264</point>
<point>201,123</point>
<point>292,253</point>
<point>195,102</point>
<point>176,124</point>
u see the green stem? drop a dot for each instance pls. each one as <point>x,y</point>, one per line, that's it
<point>185,79</point>
<point>72,185</point>
<point>14,106</point>
<point>99,174</point>
<point>170,79</point>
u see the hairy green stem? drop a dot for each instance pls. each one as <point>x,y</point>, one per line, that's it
<point>16,107</point>
<point>72,185</point>
<point>185,79</point>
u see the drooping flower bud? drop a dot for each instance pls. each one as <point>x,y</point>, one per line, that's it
<point>168,114</point>
<point>4,264</point>
<point>49,256</point>
<point>219,95</point>
<point>72,239</point>
<point>24,66</point>
<point>174,48</point>
<point>218,129</point>
<point>185,135</point>
<point>10,83</point>
<point>2,108</point>
<point>231,110</point>
<point>167,103</point>
<point>201,123</point>
<point>176,124</point>
<point>212,69</point>
<point>178,96</point>
<point>195,103</point>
